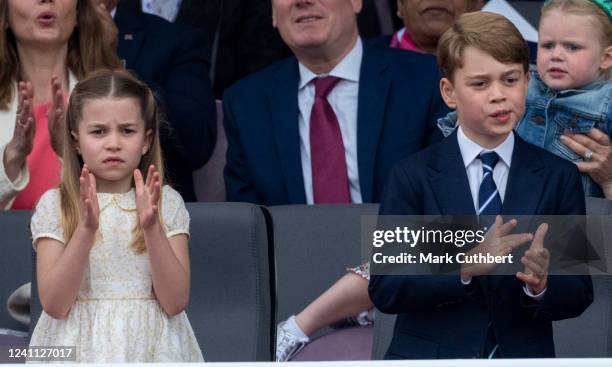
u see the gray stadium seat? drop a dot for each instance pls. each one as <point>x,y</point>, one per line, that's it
<point>313,246</point>
<point>590,335</point>
<point>230,306</point>
<point>16,262</point>
<point>383,333</point>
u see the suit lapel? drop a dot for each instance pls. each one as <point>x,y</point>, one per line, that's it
<point>374,86</point>
<point>131,34</point>
<point>525,181</point>
<point>284,111</point>
<point>449,180</point>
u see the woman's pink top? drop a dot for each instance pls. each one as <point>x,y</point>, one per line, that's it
<point>402,39</point>
<point>43,164</point>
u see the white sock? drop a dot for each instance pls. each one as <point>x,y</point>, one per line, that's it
<point>292,326</point>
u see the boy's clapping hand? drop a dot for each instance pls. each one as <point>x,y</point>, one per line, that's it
<point>536,260</point>
<point>498,242</point>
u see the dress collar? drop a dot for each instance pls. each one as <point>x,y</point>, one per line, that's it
<point>125,201</point>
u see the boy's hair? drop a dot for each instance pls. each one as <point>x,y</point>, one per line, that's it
<point>488,32</point>
<point>102,84</point>
<point>587,8</point>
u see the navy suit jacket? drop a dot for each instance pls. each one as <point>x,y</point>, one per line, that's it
<point>398,105</point>
<point>171,59</point>
<point>441,318</point>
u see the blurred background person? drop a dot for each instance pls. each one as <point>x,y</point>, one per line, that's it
<point>170,59</point>
<point>238,34</point>
<point>48,44</point>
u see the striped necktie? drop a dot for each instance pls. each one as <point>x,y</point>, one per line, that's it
<point>489,203</point>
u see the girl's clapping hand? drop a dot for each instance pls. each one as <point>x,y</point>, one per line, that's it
<point>147,197</point>
<point>90,211</point>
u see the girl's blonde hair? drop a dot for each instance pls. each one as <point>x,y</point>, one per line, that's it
<point>587,8</point>
<point>102,84</point>
<point>87,49</point>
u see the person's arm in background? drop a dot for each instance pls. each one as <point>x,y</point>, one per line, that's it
<point>239,185</point>
<point>255,42</point>
<point>186,97</point>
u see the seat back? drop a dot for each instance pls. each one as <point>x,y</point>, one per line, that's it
<point>590,334</point>
<point>16,261</point>
<point>230,305</point>
<point>313,247</point>
<point>383,333</point>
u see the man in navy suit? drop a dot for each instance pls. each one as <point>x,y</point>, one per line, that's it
<point>171,60</point>
<point>483,168</point>
<point>384,104</point>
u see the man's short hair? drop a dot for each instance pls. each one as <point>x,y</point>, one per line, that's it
<point>489,32</point>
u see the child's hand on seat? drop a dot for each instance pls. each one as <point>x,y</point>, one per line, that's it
<point>536,260</point>
<point>147,197</point>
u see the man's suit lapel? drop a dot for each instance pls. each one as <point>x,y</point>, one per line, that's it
<point>284,111</point>
<point>449,180</point>
<point>131,35</point>
<point>525,181</point>
<point>374,86</point>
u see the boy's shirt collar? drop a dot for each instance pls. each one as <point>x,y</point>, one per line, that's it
<point>470,150</point>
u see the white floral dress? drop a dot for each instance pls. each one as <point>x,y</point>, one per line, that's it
<point>116,317</point>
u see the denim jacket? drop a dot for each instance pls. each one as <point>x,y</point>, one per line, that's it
<point>549,113</point>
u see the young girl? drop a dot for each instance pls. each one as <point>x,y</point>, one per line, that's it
<point>571,91</point>
<point>111,242</point>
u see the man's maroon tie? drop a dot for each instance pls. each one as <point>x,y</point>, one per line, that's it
<point>329,173</point>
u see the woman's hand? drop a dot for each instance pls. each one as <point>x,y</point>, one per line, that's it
<point>109,29</point>
<point>147,197</point>
<point>55,116</point>
<point>597,147</point>
<point>21,144</point>
<point>90,211</point>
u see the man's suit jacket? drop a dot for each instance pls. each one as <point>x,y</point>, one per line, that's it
<point>171,60</point>
<point>441,318</point>
<point>398,105</point>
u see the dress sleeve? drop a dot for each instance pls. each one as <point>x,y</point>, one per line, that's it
<point>175,217</point>
<point>8,188</point>
<point>46,221</point>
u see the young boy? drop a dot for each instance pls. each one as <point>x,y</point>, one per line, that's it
<point>483,168</point>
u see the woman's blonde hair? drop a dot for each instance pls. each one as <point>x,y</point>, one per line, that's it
<point>87,49</point>
<point>587,8</point>
<point>103,84</point>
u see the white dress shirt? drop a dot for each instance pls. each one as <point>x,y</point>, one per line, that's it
<point>167,9</point>
<point>343,100</point>
<point>473,166</point>
<point>470,151</point>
